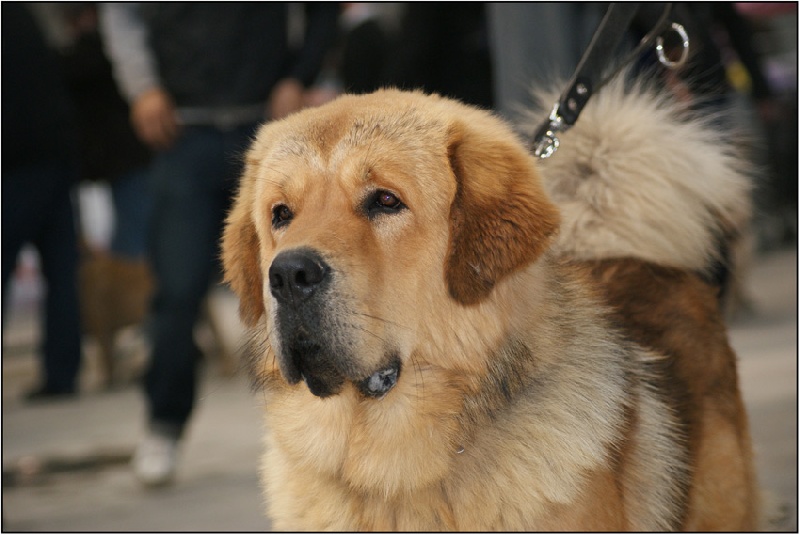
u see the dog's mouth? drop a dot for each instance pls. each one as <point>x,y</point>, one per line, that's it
<point>307,361</point>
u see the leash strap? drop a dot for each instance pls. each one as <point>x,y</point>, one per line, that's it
<point>588,79</point>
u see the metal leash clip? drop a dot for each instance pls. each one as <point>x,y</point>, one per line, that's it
<point>547,139</point>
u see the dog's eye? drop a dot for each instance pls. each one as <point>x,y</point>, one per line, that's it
<point>382,201</point>
<point>387,200</point>
<point>281,215</point>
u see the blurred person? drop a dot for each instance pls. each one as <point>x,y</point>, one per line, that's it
<point>110,151</point>
<point>443,47</point>
<point>356,62</point>
<point>115,279</point>
<point>437,47</point>
<point>776,27</point>
<point>366,38</point>
<point>38,169</point>
<point>200,77</point>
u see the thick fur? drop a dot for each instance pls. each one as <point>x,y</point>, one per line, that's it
<point>648,197</point>
<point>641,176</point>
<point>518,405</point>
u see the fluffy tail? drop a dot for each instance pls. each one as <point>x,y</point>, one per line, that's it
<point>640,176</point>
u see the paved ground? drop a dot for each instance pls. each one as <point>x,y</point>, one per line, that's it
<point>64,464</point>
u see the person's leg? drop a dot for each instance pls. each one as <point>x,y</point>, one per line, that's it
<point>192,186</point>
<point>18,211</point>
<point>37,209</point>
<point>132,208</point>
<point>183,248</point>
<point>58,252</point>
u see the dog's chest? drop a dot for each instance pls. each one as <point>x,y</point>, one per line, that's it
<point>469,497</point>
<point>388,446</point>
<point>404,467</point>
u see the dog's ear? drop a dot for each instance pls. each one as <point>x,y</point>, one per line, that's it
<point>501,219</point>
<point>241,258</point>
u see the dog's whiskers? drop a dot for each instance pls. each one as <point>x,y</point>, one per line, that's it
<point>365,330</point>
<point>388,322</point>
<point>419,374</point>
<point>354,312</point>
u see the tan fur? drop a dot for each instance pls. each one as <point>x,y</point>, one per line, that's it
<point>518,406</point>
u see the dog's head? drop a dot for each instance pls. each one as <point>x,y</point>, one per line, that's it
<point>359,224</point>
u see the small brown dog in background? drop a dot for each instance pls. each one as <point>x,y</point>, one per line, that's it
<point>115,293</point>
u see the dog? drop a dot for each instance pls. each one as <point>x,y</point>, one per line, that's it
<point>115,293</point>
<point>432,357</point>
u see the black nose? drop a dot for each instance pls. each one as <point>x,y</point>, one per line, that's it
<point>295,275</point>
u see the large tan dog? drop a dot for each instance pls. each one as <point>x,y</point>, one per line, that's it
<point>428,362</point>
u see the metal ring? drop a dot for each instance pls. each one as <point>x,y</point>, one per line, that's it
<point>677,28</point>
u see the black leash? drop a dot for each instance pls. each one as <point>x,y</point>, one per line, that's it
<point>588,77</point>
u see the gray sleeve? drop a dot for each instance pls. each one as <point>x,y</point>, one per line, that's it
<point>124,37</point>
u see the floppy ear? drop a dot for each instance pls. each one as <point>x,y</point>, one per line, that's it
<point>501,219</point>
<point>240,258</point>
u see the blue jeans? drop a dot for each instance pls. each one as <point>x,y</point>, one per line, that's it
<point>37,209</point>
<point>132,206</point>
<point>191,186</point>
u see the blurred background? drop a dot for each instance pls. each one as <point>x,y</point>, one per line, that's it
<point>65,458</point>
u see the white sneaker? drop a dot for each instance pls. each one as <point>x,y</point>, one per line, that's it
<point>155,460</point>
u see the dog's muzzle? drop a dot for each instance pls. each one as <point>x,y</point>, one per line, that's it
<point>300,282</point>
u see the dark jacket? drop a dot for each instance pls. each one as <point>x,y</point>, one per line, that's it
<point>37,116</point>
<point>107,143</point>
<point>238,50</point>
